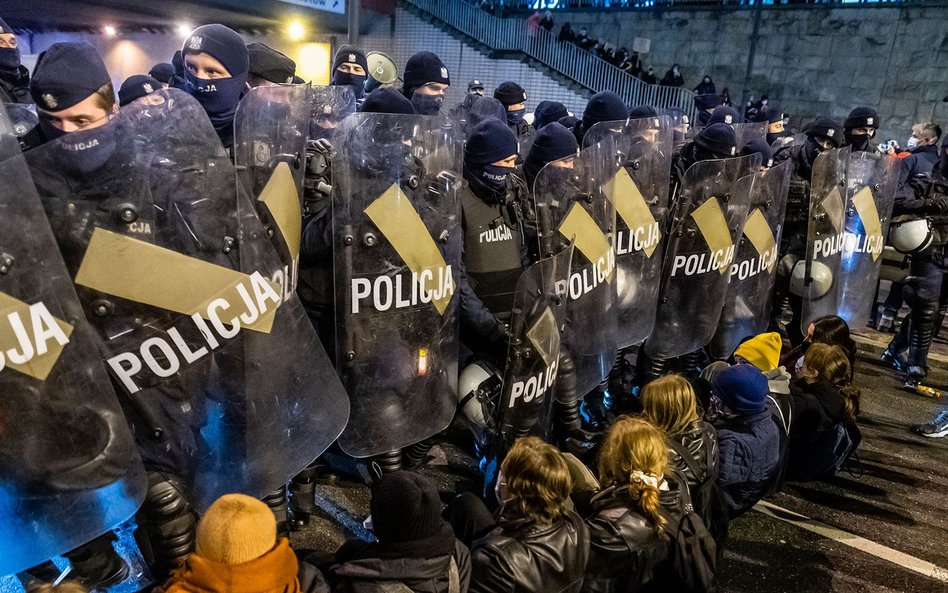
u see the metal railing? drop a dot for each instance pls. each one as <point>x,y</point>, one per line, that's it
<point>510,6</point>
<point>581,66</point>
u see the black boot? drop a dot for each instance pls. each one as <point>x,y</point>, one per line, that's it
<point>96,564</point>
<point>278,504</point>
<point>167,526</point>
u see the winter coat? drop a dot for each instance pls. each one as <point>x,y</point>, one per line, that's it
<point>918,163</point>
<point>750,458</point>
<point>779,403</point>
<point>672,79</point>
<point>624,547</point>
<point>520,555</point>
<point>819,410</point>
<point>275,572</point>
<point>698,439</point>
<point>424,566</point>
<point>15,86</point>
<point>705,88</point>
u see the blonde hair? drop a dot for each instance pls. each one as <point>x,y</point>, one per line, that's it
<point>63,587</point>
<point>831,364</point>
<point>670,404</point>
<point>537,480</point>
<point>635,445</point>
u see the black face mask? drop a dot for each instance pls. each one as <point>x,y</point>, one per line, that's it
<point>812,150</point>
<point>9,59</point>
<point>860,142</point>
<point>427,104</point>
<point>771,138</point>
<point>486,183</point>
<point>356,81</point>
<point>86,152</point>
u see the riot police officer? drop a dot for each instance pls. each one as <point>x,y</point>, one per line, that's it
<point>821,135</point>
<point>495,252</point>
<point>216,65</point>
<point>136,87</point>
<point>268,66</point>
<point>716,141</point>
<point>514,99</point>
<point>548,112</point>
<point>425,81</point>
<point>14,77</point>
<point>860,127</point>
<point>926,290</point>
<point>603,106</point>
<point>350,67</point>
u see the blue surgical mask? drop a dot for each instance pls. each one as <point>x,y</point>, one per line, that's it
<point>427,104</point>
<point>219,96</point>
<point>515,116</point>
<point>356,81</point>
<point>912,143</point>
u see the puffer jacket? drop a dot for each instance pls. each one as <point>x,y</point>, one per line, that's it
<point>701,440</point>
<point>624,548</point>
<point>750,458</point>
<point>519,555</point>
<point>423,566</point>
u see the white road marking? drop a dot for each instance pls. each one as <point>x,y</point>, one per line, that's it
<point>854,541</point>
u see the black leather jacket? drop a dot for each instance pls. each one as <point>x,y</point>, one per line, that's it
<point>624,547</point>
<point>701,441</point>
<point>519,555</point>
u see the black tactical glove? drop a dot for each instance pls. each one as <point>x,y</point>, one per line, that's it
<point>500,332</point>
<point>936,205</point>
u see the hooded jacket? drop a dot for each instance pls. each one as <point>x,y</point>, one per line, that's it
<point>750,458</point>
<point>520,555</point>
<point>274,572</point>
<point>423,566</point>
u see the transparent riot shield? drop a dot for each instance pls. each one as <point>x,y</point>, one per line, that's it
<point>747,131</point>
<point>396,261</point>
<point>270,133</point>
<point>69,471</point>
<point>221,374</point>
<point>713,204</point>
<point>871,181</point>
<point>640,192</point>
<point>22,118</point>
<point>750,293</point>
<point>331,104</point>
<point>817,278</point>
<point>538,315</point>
<point>573,205</point>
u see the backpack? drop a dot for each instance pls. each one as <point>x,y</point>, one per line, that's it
<point>706,498</point>
<point>692,554</point>
<point>843,446</point>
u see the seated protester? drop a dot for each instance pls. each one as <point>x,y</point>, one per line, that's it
<point>538,544</point>
<point>416,549</point>
<point>627,538</point>
<point>216,65</point>
<point>237,551</point>
<point>670,404</point>
<point>824,434</point>
<point>829,329</point>
<point>748,438</point>
<point>763,351</point>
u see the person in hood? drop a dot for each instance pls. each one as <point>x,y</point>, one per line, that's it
<point>268,67</point>
<point>426,80</point>
<point>350,67</point>
<point>514,99</point>
<point>416,549</point>
<point>237,551</point>
<point>748,438</point>
<point>824,433</point>
<point>860,128</point>
<point>706,86</point>
<point>673,77</point>
<point>216,66</point>
<point>73,92</point>
<point>14,77</point>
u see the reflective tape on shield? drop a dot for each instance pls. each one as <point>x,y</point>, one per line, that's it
<point>631,205</point>
<point>713,226</point>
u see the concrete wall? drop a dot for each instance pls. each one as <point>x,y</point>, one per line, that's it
<point>408,34</point>
<point>810,62</point>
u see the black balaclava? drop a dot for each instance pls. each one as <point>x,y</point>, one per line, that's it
<point>9,56</point>
<point>860,117</point>
<point>552,143</point>
<point>490,141</point>
<point>65,75</point>
<point>350,54</point>
<point>424,68</point>
<point>220,96</point>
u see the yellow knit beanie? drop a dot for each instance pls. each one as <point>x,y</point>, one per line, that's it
<point>237,528</point>
<point>762,351</point>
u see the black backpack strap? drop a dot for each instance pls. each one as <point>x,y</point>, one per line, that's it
<point>686,456</point>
